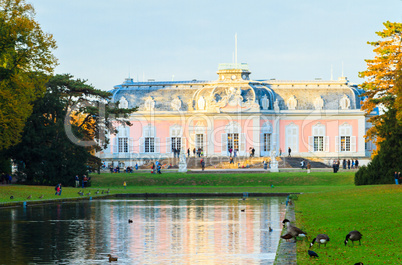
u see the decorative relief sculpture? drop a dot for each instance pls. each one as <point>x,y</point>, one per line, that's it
<point>149,103</point>
<point>123,103</point>
<point>201,103</point>
<point>230,97</point>
<point>318,103</point>
<point>344,103</point>
<point>276,105</point>
<point>292,103</point>
<point>176,104</point>
<point>264,102</point>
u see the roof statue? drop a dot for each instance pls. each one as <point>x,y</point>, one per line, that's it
<point>318,103</point>
<point>344,102</point>
<point>292,103</point>
<point>264,102</point>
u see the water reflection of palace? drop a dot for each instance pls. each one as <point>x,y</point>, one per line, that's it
<point>314,118</point>
<point>194,231</point>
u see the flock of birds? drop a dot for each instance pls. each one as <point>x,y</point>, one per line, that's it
<point>81,193</point>
<point>294,232</point>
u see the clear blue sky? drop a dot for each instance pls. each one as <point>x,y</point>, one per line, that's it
<point>103,40</point>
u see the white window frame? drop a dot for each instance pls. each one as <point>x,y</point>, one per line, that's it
<point>318,141</point>
<point>292,137</point>
<point>149,144</point>
<point>345,142</point>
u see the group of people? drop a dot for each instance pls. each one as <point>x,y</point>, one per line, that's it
<point>126,170</point>
<point>176,152</point>
<point>197,152</point>
<point>397,176</point>
<point>156,168</point>
<point>84,181</point>
<point>6,178</point>
<point>251,151</point>
<point>350,164</point>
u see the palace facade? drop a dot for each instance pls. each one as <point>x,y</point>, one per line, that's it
<point>313,118</point>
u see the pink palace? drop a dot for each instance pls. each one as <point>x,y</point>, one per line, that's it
<point>235,113</point>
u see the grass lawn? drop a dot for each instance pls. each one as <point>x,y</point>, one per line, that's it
<point>330,204</point>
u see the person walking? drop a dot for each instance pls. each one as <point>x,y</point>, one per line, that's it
<point>202,164</point>
<point>77,181</point>
<point>308,167</point>
<point>124,185</point>
<point>194,151</point>
<point>396,176</point>
<point>188,152</point>
<point>289,152</point>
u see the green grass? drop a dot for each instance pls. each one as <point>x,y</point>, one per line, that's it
<point>375,211</point>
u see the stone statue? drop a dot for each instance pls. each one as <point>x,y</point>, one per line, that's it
<point>318,103</point>
<point>264,102</point>
<point>123,103</point>
<point>292,103</point>
<point>276,105</point>
<point>182,162</point>
<point>344,103</point>
<point>176,104</point>
<point>201,103</point>
<point>149,103</point>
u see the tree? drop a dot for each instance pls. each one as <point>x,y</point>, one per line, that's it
<point>384,89</point>
<point>64,131</point>
<point>26,61</point>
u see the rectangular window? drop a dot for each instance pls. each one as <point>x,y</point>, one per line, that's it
<point>345,143</point>
<point>123,145</point>
<point>176,143</point>
<point>267,142</point>
<point>199,141</point>
<point>149,145</point>
<point>233,141</point>
<point>318,143</point>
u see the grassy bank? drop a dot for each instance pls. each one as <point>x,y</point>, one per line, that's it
<point>192,183</point>
<point>375,211</point>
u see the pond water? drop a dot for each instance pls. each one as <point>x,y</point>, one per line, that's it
<point>163,231</point>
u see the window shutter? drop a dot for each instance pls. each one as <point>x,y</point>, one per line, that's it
<point>183,144</point>
<point>326,143</point>
<point>192,142</point>
<point>115,145</point>
<point>353,143</point>
<point>337,144</point>
<point>224,144</point>
<point>142,145</point>
<point>157,145</point>
<point>168,145</point>
<point>311,143</point>
<point>262,143</point>
<point>130,145</point>
<point>242,142</point>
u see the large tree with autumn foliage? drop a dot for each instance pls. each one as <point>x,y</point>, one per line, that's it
<point>383,88</point>
<point>26,61</point>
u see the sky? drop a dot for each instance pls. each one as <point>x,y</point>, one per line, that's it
<point>106,41</point>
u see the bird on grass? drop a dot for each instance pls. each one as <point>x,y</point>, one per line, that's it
<point>41,197</point>
<point>312,254</point>
<point>130,221</point>
<point>111,258</point>
<point>293,230</point>
<point>321,239</point>
<point>89,193</point>
<point>97,192</point>
<point>287,237</point>
<point>29,197</point>
<point>353,236</point>
<point>270,229</point>
<point>102,192</point>
<point>108,191</point>
<point>80,193</point>
<point>359,263</point>
<point>11,197</point>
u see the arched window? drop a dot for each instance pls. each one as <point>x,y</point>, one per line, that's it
<point>266,137</point>
<point>345,142</point>
<point>148,142</point>
<point>318,141</point>
<point>292,137</point>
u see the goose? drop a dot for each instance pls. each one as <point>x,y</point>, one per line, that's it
<point>103,192</point>
<point>312,254</point>
<point>287,237</point>
<point>97,192</point>
<point>353,236</point>
<point>111,258</point>
<point>41,197</point>
<point>89,193</point>
<point>29,197</point>
<point>321,239</point>
<point>293,230</point>
<point>108,191</point>
<point>11,197</point>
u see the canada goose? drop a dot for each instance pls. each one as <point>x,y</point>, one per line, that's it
<point>111,258</point>
<point>312,254</point>
<point>287,237</point>
<point>321,239</point>
<point>11,197</point>
<point>29,197</point>
<point>89,193</point>
<point>130,221</point>
<point>293,230</point>
<point>353,236</point>
<point>79,192</point>
<point>108,190</point>
<point>103,192</point>
<point>270,229</point>
<point>41,197</point>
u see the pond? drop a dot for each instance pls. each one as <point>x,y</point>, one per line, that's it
<point>217,230</point>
